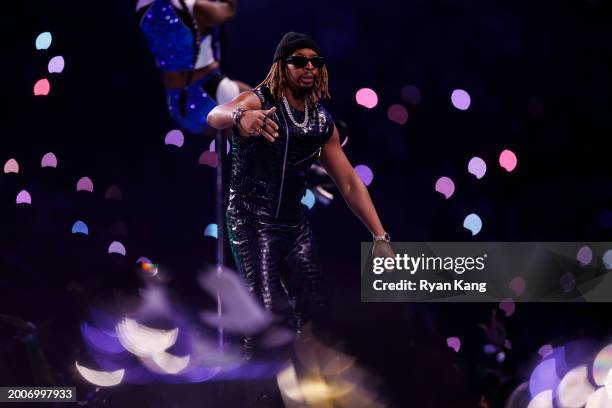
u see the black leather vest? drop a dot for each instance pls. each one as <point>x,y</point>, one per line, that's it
<point>269,178</point>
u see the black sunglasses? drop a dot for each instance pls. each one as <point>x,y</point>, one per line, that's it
<point>300,61</point>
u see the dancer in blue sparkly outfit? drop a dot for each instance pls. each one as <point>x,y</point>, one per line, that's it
<point>183,36</point>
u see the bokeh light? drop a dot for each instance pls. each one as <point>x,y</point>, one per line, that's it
<point>507,159</point>
<point>42,87</point>
<point>584,255</point>
<point>517,285</point>
<point>454,343</point>
<point>211,230</point>
<point>101,340</point>
<point>599,399</point>
<point>175,137</point>
<point>79,227</point>
<point>608,384</point>
<point>43,41</point>
<point>365,174</point>
<point>607,259</point>
<point>574,389</point>
<point>542,400</point>
<point>56,65</point>
<point>48,160</point>
<point>85,184</point>
<point>602,365</point>
<point>411,94</point>
<point>166,363</point>
<point>150,268</point>
<point>445,186</point>
<point>23,197</point>
<point>143,341</point>
<point>489,349</point>
<point>508,306</point>
<point>460,99</point>
<point>398,114</point>
<point>11,166</point>
<point>116,247</point>
<point>208,158</point>
<point>366,97</point>
<point>477,167</point>
<point>543,377</point>
<point>101,378</point>
<point>308,199</point>
<point>567,282</point>
<point>472,223</point>
<point>113,193</point>
<point>212,146</point>
<point>545,350</point>
<point>143,259</point>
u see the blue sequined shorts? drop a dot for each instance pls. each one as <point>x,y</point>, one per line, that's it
<point>189,106</point>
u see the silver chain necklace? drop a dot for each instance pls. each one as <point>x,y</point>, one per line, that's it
<point>288,108</point>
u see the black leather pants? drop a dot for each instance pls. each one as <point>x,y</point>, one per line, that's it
<point>279,265</point>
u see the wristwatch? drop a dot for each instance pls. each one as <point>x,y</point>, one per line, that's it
<point>385,237</point>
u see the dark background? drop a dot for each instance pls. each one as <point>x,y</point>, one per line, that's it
<point>540,78</point>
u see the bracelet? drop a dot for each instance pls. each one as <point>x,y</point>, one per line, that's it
<point>237,115</point>
<point>385,237</point>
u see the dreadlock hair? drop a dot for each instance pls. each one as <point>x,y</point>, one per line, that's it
<point>278,78</point>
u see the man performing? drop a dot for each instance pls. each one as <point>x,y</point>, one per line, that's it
<point>279,129</point>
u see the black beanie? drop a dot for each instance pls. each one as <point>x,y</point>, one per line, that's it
<point>292,42</point>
